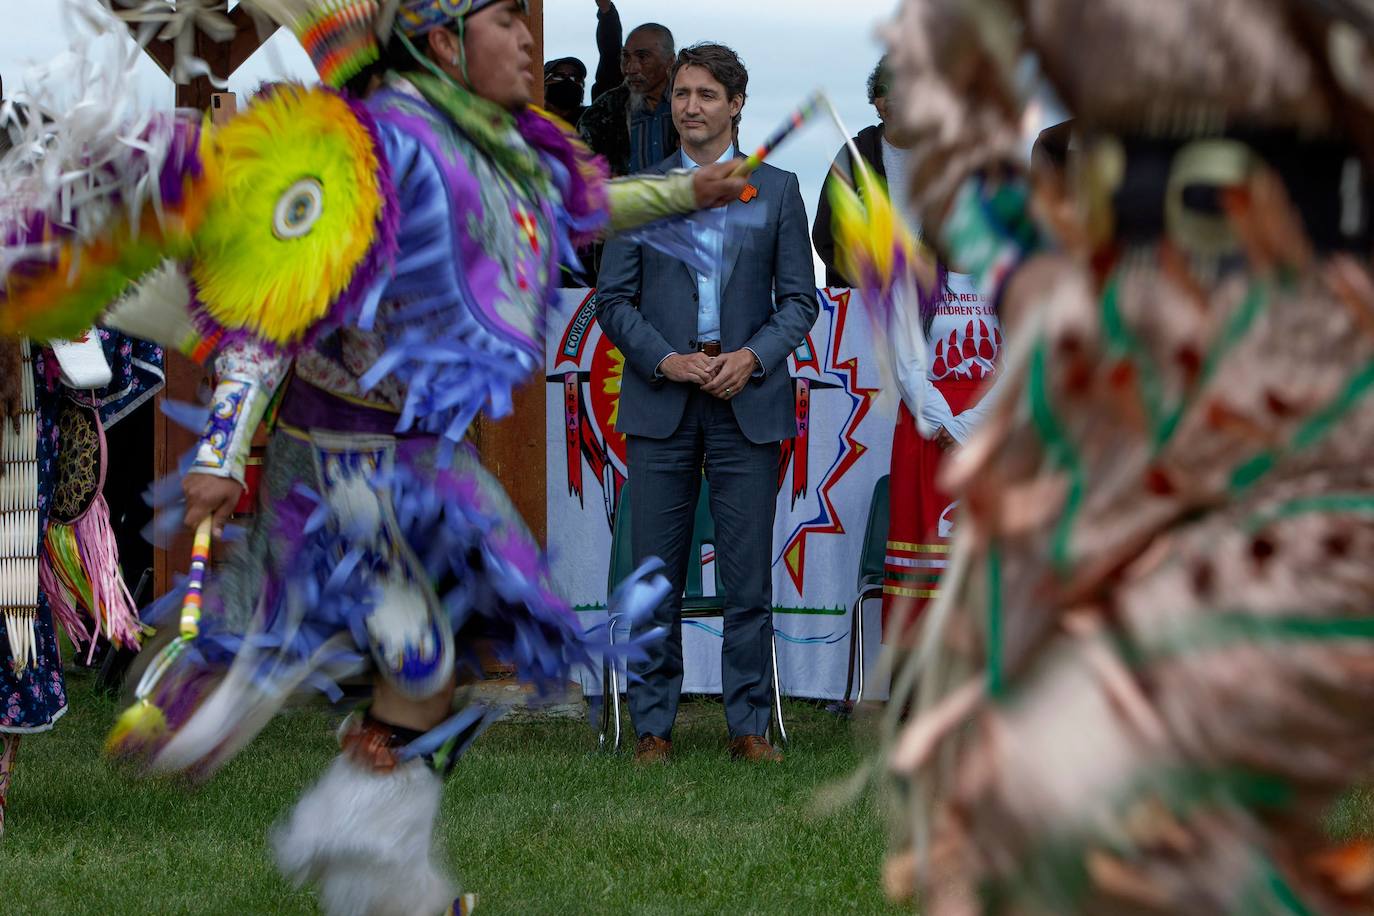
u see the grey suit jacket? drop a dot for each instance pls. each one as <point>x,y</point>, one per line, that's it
<point>647,306</point>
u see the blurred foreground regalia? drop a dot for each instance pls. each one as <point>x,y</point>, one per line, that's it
<point>1147,681</point>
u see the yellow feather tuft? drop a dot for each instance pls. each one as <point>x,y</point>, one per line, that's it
<point>870,235</point>
<point>139,725</point>
<point>296,196</point>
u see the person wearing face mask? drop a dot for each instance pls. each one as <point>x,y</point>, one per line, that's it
<point>565,79</point>
<point>565,85</point>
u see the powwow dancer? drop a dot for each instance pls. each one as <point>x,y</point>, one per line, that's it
<point>59,563</point>
<point>957,328</point>
<point>378,256</point>
<point>1146,679</point>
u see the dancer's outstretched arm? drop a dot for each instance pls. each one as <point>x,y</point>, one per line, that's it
<point>642,199</point>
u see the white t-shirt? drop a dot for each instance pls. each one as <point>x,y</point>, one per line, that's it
<point>965,339</point>
<point>899,182</point>
<point>964,343</point>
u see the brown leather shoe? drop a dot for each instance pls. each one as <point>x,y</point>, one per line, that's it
<point>755,749</point>
<point>652,749</point>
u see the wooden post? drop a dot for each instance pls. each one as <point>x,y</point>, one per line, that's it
<point>514,448</point>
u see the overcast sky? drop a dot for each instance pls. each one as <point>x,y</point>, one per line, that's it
<point>789,46</point>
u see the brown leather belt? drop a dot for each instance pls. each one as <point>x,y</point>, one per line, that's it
<point>710,347</point>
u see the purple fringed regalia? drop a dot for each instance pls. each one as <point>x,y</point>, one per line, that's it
<point>381,544</point>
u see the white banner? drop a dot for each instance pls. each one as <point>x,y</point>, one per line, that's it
<point>826,485</point>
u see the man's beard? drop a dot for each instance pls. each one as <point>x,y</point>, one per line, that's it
<point>638,102</point>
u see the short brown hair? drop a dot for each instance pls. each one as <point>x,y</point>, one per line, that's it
<point>722,63</point>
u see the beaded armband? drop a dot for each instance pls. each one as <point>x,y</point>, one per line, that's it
<point>248,378</point>
<point>238,407</point>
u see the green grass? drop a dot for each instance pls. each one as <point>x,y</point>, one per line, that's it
<point>534,820</point>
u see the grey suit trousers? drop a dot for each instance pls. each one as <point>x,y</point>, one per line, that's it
<point>665,483</point>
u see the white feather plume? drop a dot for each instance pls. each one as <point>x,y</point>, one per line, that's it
<point>85,150</point>
<point>294,14</point>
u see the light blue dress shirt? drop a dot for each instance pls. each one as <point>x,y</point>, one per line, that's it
<point>708,226</point>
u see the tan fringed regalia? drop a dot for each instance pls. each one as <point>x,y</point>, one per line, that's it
<point>1150,675</point>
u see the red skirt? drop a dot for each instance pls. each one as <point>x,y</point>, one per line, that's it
<point>921,521</point>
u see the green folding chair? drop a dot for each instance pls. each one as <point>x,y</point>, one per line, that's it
<point>694,604</point>
<point>870,584</point>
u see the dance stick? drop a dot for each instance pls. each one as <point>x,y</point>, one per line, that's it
<point>796,120</point>
<point>144,723</point>
<point>856,160</point>
<point>195,584</point>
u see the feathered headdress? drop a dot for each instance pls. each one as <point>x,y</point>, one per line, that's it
<point>343,37</point>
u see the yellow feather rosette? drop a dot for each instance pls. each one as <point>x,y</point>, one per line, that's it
<point>297,202</point>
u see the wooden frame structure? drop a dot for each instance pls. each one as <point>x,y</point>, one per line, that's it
<point>512,449</point>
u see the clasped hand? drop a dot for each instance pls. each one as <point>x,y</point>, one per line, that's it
<point>721,376</point>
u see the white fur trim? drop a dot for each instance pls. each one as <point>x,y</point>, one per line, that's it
<point>365,839</point>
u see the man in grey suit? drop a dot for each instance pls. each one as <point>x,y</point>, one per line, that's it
<point>706,385</point>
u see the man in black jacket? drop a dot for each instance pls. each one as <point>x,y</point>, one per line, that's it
<point>870,142</point>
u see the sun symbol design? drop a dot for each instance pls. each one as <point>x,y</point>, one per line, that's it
<point>607,373</point>
<point>610,385</point>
